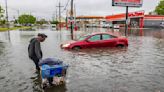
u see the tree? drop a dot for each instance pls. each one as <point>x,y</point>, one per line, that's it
<point>1,12</point>
<point>160,8</point>
<point>26,19</point>
<point>54,22</point>
<point>2,20</point>
<point>42,21</point>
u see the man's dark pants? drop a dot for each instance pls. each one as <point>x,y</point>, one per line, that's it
<point>36,61</point>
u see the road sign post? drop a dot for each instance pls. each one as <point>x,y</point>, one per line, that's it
<point>127,4</point>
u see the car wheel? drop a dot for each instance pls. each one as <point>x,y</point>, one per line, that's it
<point>76,48</point>
<point>120,46</point>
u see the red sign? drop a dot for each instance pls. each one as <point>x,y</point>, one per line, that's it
<point>122,16</point>
<point>136,14</point>
<point>131,3</point>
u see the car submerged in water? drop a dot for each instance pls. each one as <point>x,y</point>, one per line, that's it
<point>97,40</point>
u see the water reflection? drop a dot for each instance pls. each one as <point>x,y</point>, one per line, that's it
<point>36,80</point>
<point>4,36</point>
<point>61,88</point>
<point>28,29</point>
<point>2,48</point>
<point>100,52</point>
<point>157,33</point>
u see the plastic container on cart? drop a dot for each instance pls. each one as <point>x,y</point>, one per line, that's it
<point>49,71</point>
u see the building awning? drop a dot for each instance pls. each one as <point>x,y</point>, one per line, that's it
<point>89,17</point>
<point>122,16</point>
<point>154,17</point>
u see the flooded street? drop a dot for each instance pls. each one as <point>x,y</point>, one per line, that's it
<point>138,68</point>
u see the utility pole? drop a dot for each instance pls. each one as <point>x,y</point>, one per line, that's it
<point>75,15</point>
<point>60,15</point>
<point>18,16</point>
<point>7,20</point>
<point>126,21</point>
<point>71,15</point>
<point>6,11</point>
<point>18,12</point>
<point>56,15</point>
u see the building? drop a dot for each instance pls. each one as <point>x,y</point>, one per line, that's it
<point>154,21</point>
<point>136,20</point>
<point>85,21</point>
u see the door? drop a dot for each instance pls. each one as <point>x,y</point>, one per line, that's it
<point>108,40</point>
<point>94,41</point>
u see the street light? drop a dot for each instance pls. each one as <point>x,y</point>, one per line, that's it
<point>7,20</point>
<point>6,11</point>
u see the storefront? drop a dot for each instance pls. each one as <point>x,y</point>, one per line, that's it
<point>136,20</point>
<point>92,21</point>
<point>155,21</point>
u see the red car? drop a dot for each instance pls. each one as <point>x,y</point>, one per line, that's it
<point>95,40</point>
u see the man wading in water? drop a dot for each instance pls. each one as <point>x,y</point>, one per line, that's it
<point>34,49</point>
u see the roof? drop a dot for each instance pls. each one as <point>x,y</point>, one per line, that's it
<point>89,17</point>
<point>154,17</point>
<point>122,16</point>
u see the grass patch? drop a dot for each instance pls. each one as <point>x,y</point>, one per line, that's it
<point>14,28</point>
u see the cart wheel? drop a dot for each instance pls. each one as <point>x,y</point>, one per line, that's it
<point>44,86</point>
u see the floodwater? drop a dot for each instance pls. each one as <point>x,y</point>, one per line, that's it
<point>138,68</point>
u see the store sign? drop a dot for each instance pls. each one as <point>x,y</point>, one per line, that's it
<point>118,17</point>
<point>130,3</point>
<point>136,14</point>
<point>71,18</point>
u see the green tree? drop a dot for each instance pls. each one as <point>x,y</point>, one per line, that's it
<point>1,12</point>
<point>42,21</point>
<point>2,20</point>
<point>160,8</point>
<point>26,19</point>
<point>54,22</point>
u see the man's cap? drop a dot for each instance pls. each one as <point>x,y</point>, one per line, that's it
<point>42,35</point>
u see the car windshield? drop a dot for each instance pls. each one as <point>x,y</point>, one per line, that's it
<point>83,38</point>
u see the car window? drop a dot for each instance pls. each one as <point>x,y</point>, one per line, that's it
<point>95,38</point>
<point>82,38</point>
<point>106,36</point>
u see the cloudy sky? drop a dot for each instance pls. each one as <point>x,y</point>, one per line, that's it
<point>46,8</point>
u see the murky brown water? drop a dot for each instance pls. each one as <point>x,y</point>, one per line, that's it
<point>139,68</point>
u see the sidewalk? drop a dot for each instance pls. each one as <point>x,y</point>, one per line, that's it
<point>14,28</point>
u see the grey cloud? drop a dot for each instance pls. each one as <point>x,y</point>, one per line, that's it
<point>46,8</point>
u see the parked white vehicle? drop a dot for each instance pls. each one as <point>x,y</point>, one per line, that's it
<point>162,24</point>
<point>107,25</point>
<point>92,25</point>
<point>116,26</point>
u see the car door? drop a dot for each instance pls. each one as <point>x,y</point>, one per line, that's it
<point>108,40</point>
<point>94,41</point>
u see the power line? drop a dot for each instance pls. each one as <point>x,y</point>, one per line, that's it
<point>66,6</point>
<point>71,20</point>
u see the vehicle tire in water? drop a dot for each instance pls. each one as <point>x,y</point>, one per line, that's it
<point>76,48</point>
<point>120,46</point>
